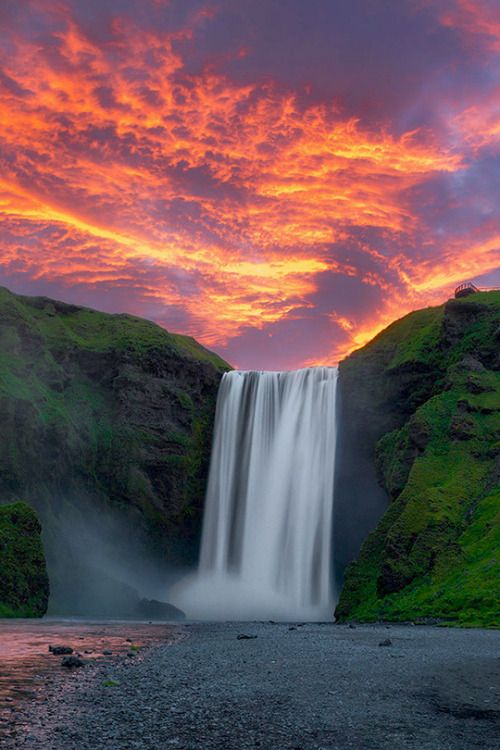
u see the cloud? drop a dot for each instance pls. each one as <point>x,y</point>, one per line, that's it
<point>277,182</point>
<point>477,20</point>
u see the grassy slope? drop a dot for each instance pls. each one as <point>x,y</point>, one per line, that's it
<point>95,331</point>
<point>435,551</point>
<point>24,585</point>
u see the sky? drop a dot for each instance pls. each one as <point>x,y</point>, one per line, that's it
<point>280,180</point>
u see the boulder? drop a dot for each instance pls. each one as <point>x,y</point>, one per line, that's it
<point>60,650</point>
<point>72,662</point>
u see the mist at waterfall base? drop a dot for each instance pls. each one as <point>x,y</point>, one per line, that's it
<point>266,550</point>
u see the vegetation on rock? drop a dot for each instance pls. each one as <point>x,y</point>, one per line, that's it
<point>106,431</point>
<point>24,584</point>
<point>436,376</point>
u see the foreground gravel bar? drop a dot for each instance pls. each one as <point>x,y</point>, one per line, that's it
<point>293,687</point>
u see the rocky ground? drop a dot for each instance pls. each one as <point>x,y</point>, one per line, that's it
<point>287,687</point>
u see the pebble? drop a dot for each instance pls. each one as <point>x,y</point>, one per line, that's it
<point>327,689</point>
<point>72,662</point>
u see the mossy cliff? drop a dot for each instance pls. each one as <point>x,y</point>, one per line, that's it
<point>24,584</point>
<point>428,422</point>
<point>106,431</point>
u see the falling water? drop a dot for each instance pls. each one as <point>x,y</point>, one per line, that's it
<point>267,531</point>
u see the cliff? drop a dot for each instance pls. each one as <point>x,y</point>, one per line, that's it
<point>421,406</point>
<point>24,584</point>
<point>106,431</point>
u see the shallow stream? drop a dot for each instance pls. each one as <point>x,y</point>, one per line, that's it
<point>26,665</point>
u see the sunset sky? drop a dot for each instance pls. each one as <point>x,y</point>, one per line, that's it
<point>278,178</point>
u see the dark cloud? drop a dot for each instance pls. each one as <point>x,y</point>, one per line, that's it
<point>280,346</point>
<point>347,296</point>
<point>375,58</point>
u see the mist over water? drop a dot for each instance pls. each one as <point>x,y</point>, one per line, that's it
<point>267,530</point>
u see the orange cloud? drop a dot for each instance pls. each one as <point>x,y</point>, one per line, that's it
<point>123,160</point>
<point>479,124</point>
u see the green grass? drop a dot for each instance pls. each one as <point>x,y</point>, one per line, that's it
<point>62,325</point>
<point>435,551</point>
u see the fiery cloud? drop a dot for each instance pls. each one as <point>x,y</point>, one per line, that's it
<point>278,226</point>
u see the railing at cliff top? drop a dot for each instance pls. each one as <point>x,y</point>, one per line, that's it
<point>469,288</point>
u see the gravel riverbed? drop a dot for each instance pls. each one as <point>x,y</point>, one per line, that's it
<point>293,687</point>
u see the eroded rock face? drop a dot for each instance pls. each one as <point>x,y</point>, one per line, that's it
<point>421,422</point>
<point>107,427</point>
<point>24,583</point>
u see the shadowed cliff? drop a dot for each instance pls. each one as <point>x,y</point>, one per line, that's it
<point>106,430</point>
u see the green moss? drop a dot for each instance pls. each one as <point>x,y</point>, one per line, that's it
<point>417,337</point>
<point>105,410</point>
<point>434,552</point>
<point>198,456</point>
<point>24,585</point>
<point>62,325</point>
<point>185,400</point>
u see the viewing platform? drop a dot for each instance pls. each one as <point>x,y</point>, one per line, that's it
<point>469,288</point>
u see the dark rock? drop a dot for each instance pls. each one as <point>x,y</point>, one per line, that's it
<point>386,642</point>
<point>72,662</point>
<point>462,428</point>
<point>476,385</point>
<point>420,433</point>
<point>394,576</point>
<point>468,362</point>
<point>464,406</point>
<point>352,626</point>
<point>107,652</point>
<point>244,637</point>
<point>60,650</point>
<point>487,409</point>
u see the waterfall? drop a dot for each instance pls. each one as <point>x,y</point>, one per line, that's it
<point>267,530</point>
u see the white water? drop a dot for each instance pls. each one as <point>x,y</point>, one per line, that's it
<point>267,530</point>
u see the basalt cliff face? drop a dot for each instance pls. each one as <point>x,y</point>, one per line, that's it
<point>420,440</point>
<point>106,431</point>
